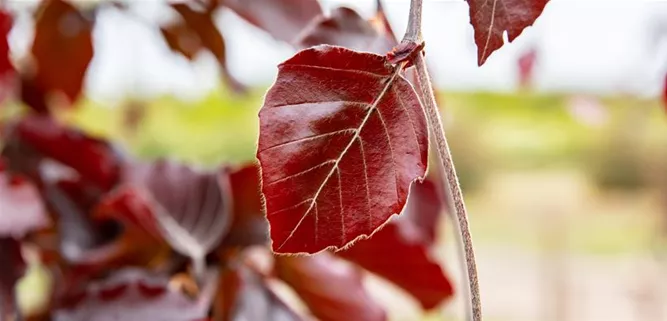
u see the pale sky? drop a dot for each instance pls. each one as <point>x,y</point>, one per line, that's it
<point>601,46</point>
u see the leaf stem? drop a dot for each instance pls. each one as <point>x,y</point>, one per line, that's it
<point>435,123</point>
<point>425,91</point>
<point>414,31</point>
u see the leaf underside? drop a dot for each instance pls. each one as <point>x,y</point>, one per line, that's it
<point>332,289</point>
<point>342,137</point>
<point>346,28</point>
<point>491,18</point>
<point>411,237</point>
<point>283,19</point>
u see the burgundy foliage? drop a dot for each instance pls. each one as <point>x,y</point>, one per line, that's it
<point>22,209</point>
<point>526,66</point>
<point>283,19</point>
<point>409,237</point>
<point>7,72</point>
<point>342,137</point>
<point>92,158</point>
<point>244,295</point>
<point>490,19</point>
<point>346,28</point>
<point>135,295</point>
<point>249,226</point>
<point>332,289</point>
<point>192,208</point>
<point>195,32</point>
<point>61,55</point>
<point>12,269</point>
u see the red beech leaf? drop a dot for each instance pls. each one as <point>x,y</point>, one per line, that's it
<point>283,19</point>
<point>342,137</point>
<point>138,295</point>
<point>11,270</point>
<point>21,207</point>
<point>346,28</point>
<point>409,238</point>
<point>525,66</point>
<point>32,95</point>
<point>196,32</point>
<point>140,242</point>
<point>490,19</point>
<point>62,50</point>
<point>249,226</point>
<point>92,158</point>
<point>381,23</point>
<point>127,206</point>
<point>192,209</point>
<point>244,295</point>
<point>332,289</point>
<point>7,71</point>
<point>424,209</point>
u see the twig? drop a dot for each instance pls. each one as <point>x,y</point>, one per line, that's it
<point>425,90</point>
<point>435,123</point>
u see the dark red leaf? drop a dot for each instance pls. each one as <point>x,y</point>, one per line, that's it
<point>128,206</point>
<point>7,72</point>
<point>62,50</point>
<point>332,289</point>
<point>136,240</point>
<point>249,225</point>
<point>192,208</point>
<point>526,65</point>
<point>342,137</point>
<point>244,295</point>
<point>414,271</point>
<point>346,28</point>
<point>122,296</point>
<point>196,31</point>
<point>283,19</point>
<point>399,252</point>
<point>21,207</point>
<point>92,158</point>
<point>381,22</point>
<point>20,158</point>
<point>490,19</point>
<point>424,209</point>
<point>11,270</point>
<point>32,95</point>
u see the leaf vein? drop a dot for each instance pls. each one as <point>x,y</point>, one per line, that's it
<point>368,192</point>
<point>356,72</point>
<point>325,103</point>
<point>391,152</point>
<point>305,171</point>
<point>309,138</point>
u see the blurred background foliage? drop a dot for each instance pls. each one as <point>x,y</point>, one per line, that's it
<point>579,180</point>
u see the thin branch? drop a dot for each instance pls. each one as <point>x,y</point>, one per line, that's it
<point>425,91</point>
<point>414,31</point>
<point>435,123</point>
<point>446,194</point>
